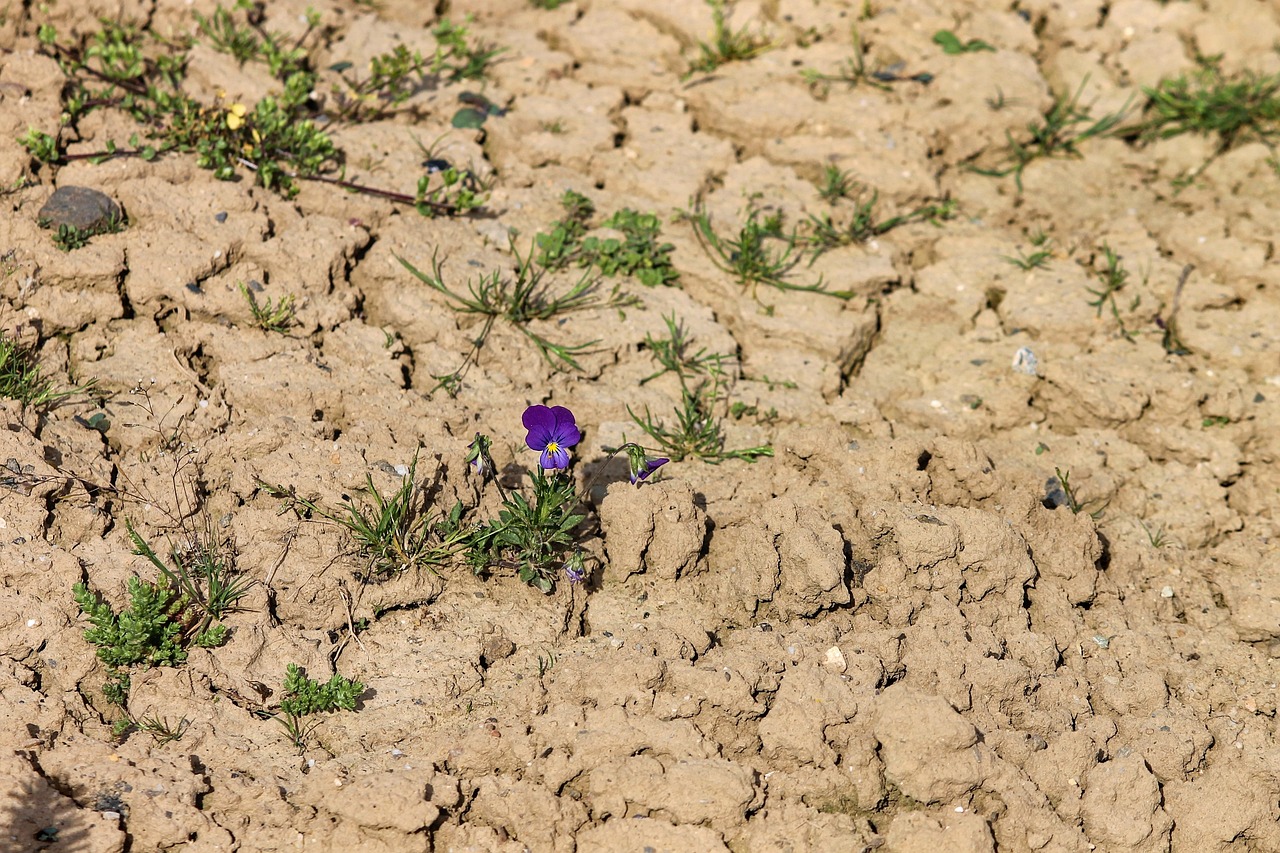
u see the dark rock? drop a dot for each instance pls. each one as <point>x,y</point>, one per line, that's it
<point>80,208</point>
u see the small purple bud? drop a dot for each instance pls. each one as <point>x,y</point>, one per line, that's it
<point>574,569</point>
<point>642,464</point>
<point>478,456</point>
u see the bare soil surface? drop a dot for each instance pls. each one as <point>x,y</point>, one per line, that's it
<point>895,633</point>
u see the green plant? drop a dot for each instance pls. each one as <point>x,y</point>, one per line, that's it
<point>1069,495</point>
<point>204,575</point>
<point>302,697</point>
<point>22,379</point>
<point>751,257</point>
<point>727,45</point>
<point>1112,277</point>
<point>865,225</point>
<point>1058,134</point>
<point>854,72</point>
<point>1206,102</point>
<point>673,354</point>
<point>68,238</point>
<point>637,254</point>
<point>162,620</point>
<point>1039,258</point>
<point>1156,538</point>
<point>40,145</point>
<point>458,57</point>
<point>519,302</point>
<point>394,532</point>
<point>275,138</point>
<point>951,44</point>
<point>697,430</point>
<point>532,536</point>
<point>836,183</point>
<point>270,317</point>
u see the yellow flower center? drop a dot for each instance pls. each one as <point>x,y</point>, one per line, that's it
<point>553,446</point>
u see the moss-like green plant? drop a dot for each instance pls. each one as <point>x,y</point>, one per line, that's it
<point>303,697</point>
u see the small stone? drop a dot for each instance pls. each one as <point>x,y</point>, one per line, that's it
<point>81,208</point>
<point>220,217</point>
<point>1166,592</point>
<point>835,660</point>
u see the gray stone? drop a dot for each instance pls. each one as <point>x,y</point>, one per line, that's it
<point>80,208</point>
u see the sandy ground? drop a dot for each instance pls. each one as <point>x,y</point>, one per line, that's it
<point>892,634</point>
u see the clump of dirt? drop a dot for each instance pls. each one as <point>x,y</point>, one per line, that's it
<point>983,556</point>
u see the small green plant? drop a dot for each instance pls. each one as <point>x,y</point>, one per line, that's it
<point>1246,106</point>
<point>697,430</point>
<point>519,302</point>
<point>855,72</point>
<point>548,4</point>
<point>1069,495</point>
<point>727,45</point>
<point>22,379</point>
<point>163,619</point>
<point>68,238</point>
<point>952,46</point>
<point>673,354</point>
<point>836,183</point>
<point>1215,421</point>
<point>277,317</point>
<point>458,56</point>
<point>534,536</point>
<point>637,254</point>
<point>204,575</point>
<point>1059,134</point>
<point>1156,537</point>
<point>761,254</point>
<point>40,145</point>
<point>864,224</point>
<point>301,697</point>
<point>1042,245</point>
<point>394,532</point>
<point>1113,277</point>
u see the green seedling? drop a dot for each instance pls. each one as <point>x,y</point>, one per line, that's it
<point>673,354</point>
<point>205,578</point>
<point>855,72</point>
<point>1042,245</point>
<point>836,183</point>
<point>1156,537</point>
<point>250,43</point>
<point>1235,109</point>
<point>952,46</point>
<point>761,254</point>
<point>394,532</point>
<point>277,317</point>
<point>22,379</point>
<point>68,238</point>
<point>458,56</point>
<point>1073,502</point>
<point>727,45</point>
<point>531,536</point>
<point>1059,134</point>
<point>519,301</point>
<point>697,430</point>
<point>865,225</point>
<point>302,698</point>
<point>1113,278</point>
<point>637,254</point>
<point>163,619</point>
<point>41,145</point>
<point>1215,421</point>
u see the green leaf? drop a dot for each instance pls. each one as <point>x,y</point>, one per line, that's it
<point>469,119</point>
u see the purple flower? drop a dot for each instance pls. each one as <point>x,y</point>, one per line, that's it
<point>574,570</point>
<point>647,467</point>
<point>553,431</point>
<point>642,464</point>
<point>478,455</point>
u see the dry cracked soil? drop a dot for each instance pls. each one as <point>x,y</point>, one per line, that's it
<point>901,631</point>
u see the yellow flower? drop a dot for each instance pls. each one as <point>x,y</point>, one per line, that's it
<point>235,116</point>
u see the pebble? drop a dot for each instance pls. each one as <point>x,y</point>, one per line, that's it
<point>81,208</point>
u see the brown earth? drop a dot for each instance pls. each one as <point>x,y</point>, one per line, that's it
<point>882,637</point>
